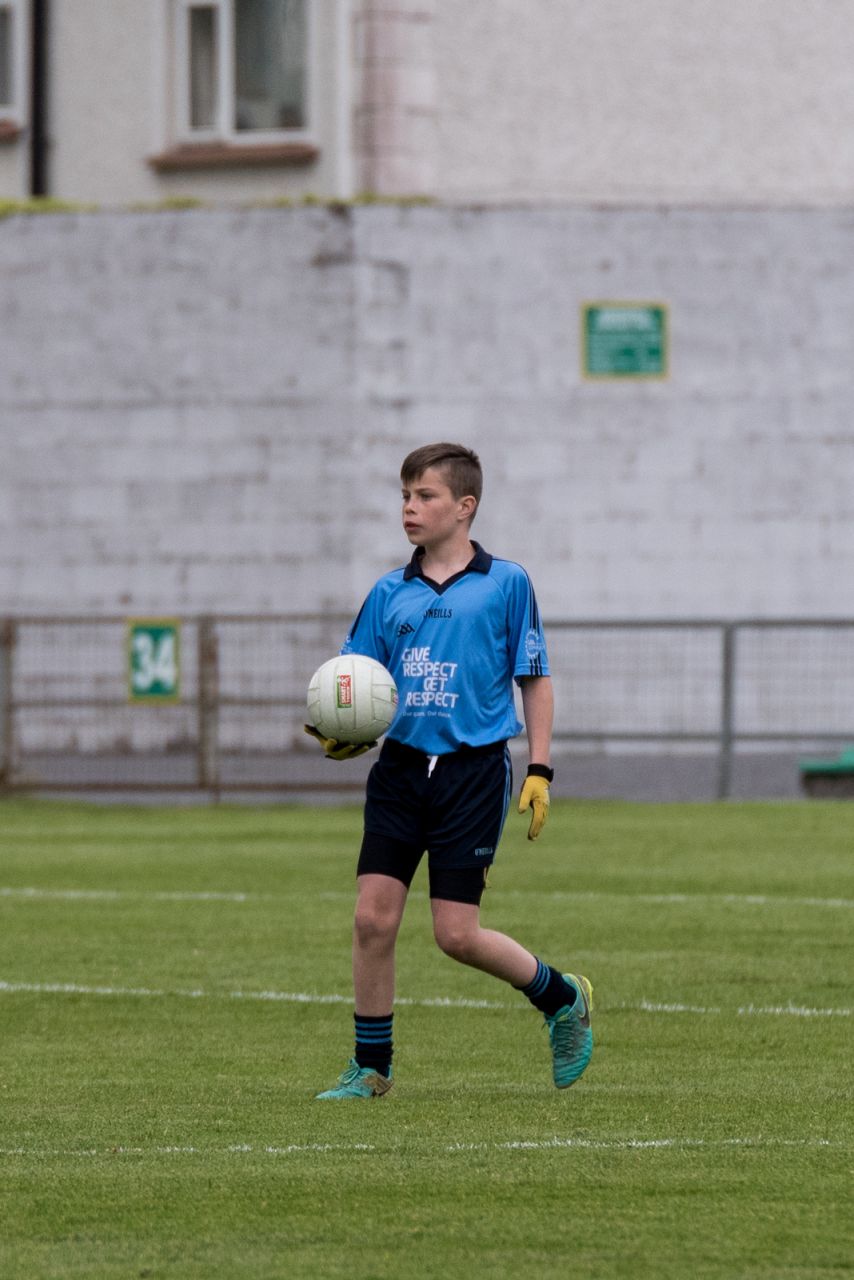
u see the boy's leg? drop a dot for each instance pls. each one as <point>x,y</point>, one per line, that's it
<point>468,807</point>
<point>564,999</point>
<point>380,903</point>
<point>459,933</point>
<point>379,911</point>
<point>392,847</point>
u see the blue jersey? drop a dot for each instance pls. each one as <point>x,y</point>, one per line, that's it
<point>454,650</point>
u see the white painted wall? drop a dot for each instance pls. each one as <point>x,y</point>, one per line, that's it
<point>395,108</point>
<point>207,411</point>
<point>112,80</point>
<point>14,174</point>
<point>622,102</point>
<point>646,101</point>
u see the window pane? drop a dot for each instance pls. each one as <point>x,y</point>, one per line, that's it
<point>203,68</point>
<point>269,68</point>
<point>5,56</point>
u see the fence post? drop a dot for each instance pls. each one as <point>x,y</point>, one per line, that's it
<point>7,703</point>
<point>208,662</point>
<point>727,705</point>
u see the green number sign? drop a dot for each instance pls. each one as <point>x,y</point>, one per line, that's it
<point>624,339</point>
<point>154,660</point>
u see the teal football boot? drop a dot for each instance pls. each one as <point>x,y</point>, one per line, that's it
<point>570,1036</point>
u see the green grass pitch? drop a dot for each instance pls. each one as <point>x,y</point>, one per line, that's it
<point>174,988</point>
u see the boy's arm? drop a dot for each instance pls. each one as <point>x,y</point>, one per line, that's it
<point>538,711</point>
<point>538,705</point>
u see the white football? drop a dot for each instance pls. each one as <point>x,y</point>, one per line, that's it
<point>352,698</point>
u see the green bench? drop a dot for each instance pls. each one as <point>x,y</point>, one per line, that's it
<point>831,778</point>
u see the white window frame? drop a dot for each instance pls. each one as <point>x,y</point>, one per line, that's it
<point>15,111</point>
<point>224,129</point>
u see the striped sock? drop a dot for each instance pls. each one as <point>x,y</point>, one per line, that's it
<point>549,991</point>
<point>374,1042</point>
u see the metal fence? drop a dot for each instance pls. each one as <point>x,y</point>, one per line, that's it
<point>660,691</point>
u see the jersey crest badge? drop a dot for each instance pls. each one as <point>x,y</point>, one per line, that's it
<point>533,644</point>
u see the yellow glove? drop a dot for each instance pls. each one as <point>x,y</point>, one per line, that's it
<point>535,796</point>
<point>335,750</point>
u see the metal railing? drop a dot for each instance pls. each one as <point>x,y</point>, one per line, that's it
<point>718,685</point>
<point>71,718</point>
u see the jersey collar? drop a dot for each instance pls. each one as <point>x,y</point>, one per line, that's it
<point>481,562</point>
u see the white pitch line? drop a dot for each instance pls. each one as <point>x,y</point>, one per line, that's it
<point>120,895</point>
<point>687,899</point>
<point>33,893</point>
<point>747,1010</point>
<point>456,1148</point>
<point>305,997</point>
<point>77,989</point>
<point>793,1010</point>
<point>649,1006</point>
<point>284,997</point>
<point>635,1144</point>
<point>425,1002</point>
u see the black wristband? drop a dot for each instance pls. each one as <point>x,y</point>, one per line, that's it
<point>540,771</point>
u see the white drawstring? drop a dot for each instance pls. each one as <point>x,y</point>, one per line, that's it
<point>431,765</point>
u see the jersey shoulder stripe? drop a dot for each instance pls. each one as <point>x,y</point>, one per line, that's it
<point>513,577</point>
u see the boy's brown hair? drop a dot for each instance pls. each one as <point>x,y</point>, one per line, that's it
<point>460,467</point>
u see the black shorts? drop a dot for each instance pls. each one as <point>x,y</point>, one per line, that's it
<point>452,806</point>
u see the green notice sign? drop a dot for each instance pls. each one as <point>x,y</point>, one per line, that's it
<point>154,673</point>
<point>624,339</point>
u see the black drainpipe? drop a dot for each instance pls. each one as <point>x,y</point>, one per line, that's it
<point>39,185</point>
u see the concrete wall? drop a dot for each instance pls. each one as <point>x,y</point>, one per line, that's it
<point>207,410</point>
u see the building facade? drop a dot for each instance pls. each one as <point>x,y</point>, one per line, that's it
<point>241,101</point>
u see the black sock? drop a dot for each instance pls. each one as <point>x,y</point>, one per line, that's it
<point>373,1042</point>
<point>549,990</point>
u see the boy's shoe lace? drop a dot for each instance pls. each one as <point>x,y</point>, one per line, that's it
<point>358,1082</point>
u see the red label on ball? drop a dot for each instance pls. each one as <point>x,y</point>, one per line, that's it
<point>345,690</point>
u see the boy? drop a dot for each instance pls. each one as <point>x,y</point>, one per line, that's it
<point>455,627</point>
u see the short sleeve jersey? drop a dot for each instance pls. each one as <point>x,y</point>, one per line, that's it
<point>454,650</point>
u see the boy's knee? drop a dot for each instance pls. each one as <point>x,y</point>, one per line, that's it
<point>374,923</point>
<point>456,940</point>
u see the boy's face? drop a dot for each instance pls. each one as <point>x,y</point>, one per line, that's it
<point>431,513</point>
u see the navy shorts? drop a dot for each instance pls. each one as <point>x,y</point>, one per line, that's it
<point>452,806</point>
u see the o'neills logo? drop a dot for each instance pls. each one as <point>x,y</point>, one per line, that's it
<point>344,684</point>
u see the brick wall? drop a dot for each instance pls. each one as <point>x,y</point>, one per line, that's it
<point>206,410</point>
